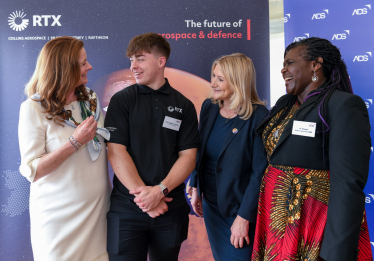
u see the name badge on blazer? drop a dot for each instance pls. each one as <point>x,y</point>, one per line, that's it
<point>304,128</point>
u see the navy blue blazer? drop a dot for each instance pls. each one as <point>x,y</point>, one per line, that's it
<point>241,163</point>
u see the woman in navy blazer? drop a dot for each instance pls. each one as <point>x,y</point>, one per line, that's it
<point>231,159</point>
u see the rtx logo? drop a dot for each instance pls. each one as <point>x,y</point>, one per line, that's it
<point>320,15</point>
<point>37,20</point>
<point>342,36</point>
<point>369,199</point>
<point>362,58</point>
<point>17,22</point>
<point>287,17</point>
<point>368,103</point>
<point>301,38</point>
<point>362,11</point>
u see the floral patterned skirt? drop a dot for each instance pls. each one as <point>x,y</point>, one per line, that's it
<point>292,215</point>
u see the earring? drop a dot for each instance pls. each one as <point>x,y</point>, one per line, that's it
<point>315,77</point>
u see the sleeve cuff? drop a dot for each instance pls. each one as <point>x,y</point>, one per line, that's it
<point>28,169</point>
<point>188,146</point>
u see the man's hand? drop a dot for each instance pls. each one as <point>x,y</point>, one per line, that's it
<point>161,208</point>
<point>148,197</point>
<point>239,232</point>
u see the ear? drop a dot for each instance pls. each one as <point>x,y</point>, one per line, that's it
<point>161,62</point>
<point>317,65</point>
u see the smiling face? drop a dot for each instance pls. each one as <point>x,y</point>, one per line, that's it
<point>297,72</point>
<point>221,88</point>
<point>147,69</point>
<point>84,67</point>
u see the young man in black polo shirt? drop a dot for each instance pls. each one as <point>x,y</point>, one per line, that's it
<point>152,151</point>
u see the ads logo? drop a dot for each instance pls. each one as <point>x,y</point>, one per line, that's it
<point>368,103</point>
<point>362,58</point>
<point>362,11</point>
<point>16,21</point>
<point>369,199</point>
<point>320,15</point>
<point>301,38</point>
<point>342,36</point>
<point>288,16</point>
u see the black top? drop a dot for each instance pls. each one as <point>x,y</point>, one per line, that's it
<point>138,114</point>
<point>221,128</point>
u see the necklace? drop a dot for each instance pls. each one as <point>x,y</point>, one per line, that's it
<point>276,132</point>
<point>229,118</point>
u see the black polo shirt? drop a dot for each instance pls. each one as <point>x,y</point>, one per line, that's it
<point>139,113</point>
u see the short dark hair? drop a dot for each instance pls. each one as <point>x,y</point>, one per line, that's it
<point>149,42</point>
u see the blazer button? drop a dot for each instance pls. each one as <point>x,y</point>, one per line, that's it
<point>219,170</point>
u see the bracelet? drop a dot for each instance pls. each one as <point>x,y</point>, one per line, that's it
<point>76,149</point>
<point>77,144</point>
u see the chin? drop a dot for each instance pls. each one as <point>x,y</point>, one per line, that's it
<point>290,90</point>
<point>217,97</point>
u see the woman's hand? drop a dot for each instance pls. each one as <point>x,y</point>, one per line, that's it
<point>196,203</point>
<point>85,131</point>
<point>239,232</point>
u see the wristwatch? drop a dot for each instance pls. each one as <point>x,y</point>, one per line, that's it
<point>164,190</point>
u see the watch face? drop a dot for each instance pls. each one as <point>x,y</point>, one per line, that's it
<point>165,191</point>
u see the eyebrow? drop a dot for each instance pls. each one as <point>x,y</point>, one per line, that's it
<point>287,61</point>
<point>218,75</point>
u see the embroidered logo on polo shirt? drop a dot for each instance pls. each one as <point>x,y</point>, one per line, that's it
<point>171,109</point>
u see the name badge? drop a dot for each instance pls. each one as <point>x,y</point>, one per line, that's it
<point>171,123</point>
<point>304,128</point>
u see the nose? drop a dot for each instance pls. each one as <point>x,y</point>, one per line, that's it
<point>283,70</point>
<point>133,65</point>
<point>89,67</point>
<point>213,82</point>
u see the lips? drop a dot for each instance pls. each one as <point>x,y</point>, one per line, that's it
<point>288,79</point>
<point>137,74</point>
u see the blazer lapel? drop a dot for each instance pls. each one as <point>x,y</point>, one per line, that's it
<point>262,125</point>
<point>237,124</point>
<point>213,112</point>
<point>300,115</point>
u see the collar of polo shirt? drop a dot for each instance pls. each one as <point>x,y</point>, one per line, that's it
<point>164,88</point>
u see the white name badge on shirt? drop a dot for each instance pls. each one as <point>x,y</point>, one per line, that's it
<point>304,128</point>
<point>171,123</point>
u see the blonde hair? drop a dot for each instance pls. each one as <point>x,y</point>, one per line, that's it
<point>240,73</point>
<point>57,72</point>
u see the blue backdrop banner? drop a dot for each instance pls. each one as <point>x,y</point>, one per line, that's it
<point>347,24</point>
